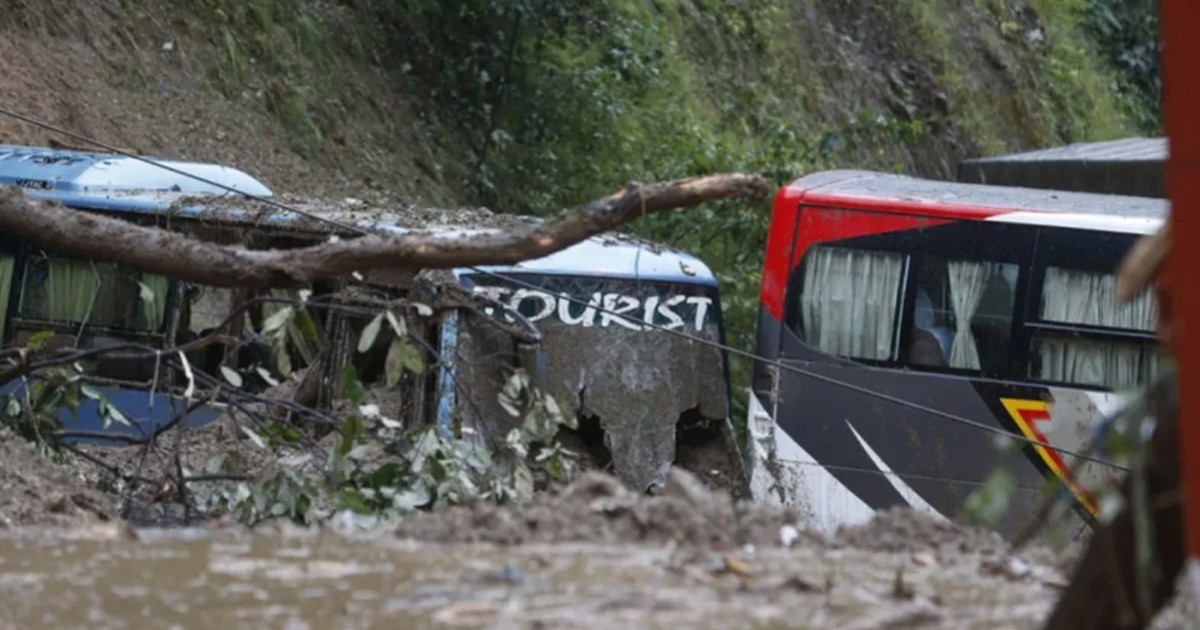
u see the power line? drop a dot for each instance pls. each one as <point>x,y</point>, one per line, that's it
<point>600,308</point>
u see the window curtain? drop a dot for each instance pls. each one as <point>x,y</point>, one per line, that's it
<point>1087,298</point>
<point>69,289</point>
<point>968,280</point>
<point>1081,297</point>
<point>7,263</point>
<point>156,307</point>
<point>1090,362</point>
<point>848,306</point>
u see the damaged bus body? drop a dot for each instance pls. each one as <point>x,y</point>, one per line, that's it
<point>553,317</point>
<point>904,322</point>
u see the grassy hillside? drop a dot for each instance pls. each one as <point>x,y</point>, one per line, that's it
<point>532,105</point>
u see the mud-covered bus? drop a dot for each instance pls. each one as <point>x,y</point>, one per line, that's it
<point>591,308</point>
<point>902,321</point>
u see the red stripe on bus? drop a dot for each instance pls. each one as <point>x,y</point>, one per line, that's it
<point>835,218</point>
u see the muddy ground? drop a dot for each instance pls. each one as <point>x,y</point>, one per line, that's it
<point>589,555</point>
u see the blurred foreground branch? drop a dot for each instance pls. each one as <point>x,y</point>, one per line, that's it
<point>1129,571</point>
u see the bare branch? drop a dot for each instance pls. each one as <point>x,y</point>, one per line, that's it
<point>106,239</point>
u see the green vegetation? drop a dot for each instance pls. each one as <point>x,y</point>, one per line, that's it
<point>1126,32</point>
<point>530,106</point>
<point>562,101</point>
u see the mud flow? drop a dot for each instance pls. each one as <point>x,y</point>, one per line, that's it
<point>593,555</point>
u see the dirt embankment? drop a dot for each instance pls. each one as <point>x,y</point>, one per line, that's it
<point>166,79</point>
<point>36,491</point>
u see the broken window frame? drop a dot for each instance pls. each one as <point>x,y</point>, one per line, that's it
<point>73,332</point>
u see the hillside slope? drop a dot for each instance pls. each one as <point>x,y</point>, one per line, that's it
<point>531,105</point>
<point>351,96</point>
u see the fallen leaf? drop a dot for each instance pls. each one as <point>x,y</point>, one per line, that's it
<point>738,567</point>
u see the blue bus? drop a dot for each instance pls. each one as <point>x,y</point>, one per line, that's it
<point>593,314</point>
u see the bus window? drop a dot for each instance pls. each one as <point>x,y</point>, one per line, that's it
<point>976,293</point>
<point>1070,296</point>
<point>849,301</point>
<point>101,294</point>
<point>7,264</point>
<point>1084,298</point>
<point>1092,362</point>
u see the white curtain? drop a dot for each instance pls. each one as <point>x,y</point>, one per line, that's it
<point>848,306</point>
<point>1082,297</point>
<point>1090,362</point>
<point>967,283</point>
<point>1087,298</point>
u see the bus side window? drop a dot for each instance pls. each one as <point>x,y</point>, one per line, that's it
<point>962,314</point>
<point>7,265</point>
<point>1085,298</point>
<point>94,305</point>
<point>849,301</point>
<point>100,294</point>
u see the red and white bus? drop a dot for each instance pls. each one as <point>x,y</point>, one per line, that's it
<point>898,315</point>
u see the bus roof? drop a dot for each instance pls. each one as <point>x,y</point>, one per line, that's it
<point>910,195</point>
<point>119,184</point>
<point>97,173</point>
<point>1130,166</point>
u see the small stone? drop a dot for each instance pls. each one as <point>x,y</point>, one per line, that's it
<point>924,559</point>
<point>788,535</point>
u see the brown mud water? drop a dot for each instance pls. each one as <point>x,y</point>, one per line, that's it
<point>591,555</point>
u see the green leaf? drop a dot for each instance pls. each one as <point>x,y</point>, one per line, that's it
<point>215,464</point>
<point>523,482</point>
<point>354,501</point>
<point>352,388</point>
<point>411,357</point>
<point>254,437</point>
<point>417,496</point>
<point>283,360</point>
<point>305,335</point>
<point>367,339</point>
<point>266,376</point>
<point>230,375</point>
<point>352,430</point>
<point>516,442</point>
<point>111,414</point>
<point>386,475</point>
<point>397,325</point>
<point>509,405</point>
<point>275,323</point>
<point>39,339</point>
<point>394,365</point>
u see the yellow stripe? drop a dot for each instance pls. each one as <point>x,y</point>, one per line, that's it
<point>1015,407</point>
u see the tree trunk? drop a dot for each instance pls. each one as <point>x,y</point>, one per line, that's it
<point>105,239</point>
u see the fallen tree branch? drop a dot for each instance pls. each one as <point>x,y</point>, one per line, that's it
<point>105,239</point>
